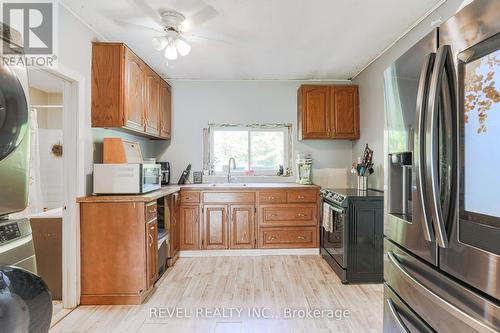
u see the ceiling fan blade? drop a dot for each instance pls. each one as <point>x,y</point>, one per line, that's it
<point>202,16</point>
<point>209,37</point>
<point>148,10</point>
<point>124,24</point>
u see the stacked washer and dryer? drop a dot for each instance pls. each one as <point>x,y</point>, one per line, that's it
<point>25,301</point>
<point>16,245</point>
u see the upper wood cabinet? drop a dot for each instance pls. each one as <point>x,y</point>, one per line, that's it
<point>127,94</point>
<point>165,110</point>
<point>152,99</point>
<point>328,112</point>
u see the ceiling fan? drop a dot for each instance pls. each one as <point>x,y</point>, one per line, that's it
<point>173,25</point>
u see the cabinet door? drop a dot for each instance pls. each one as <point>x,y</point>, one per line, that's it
<point>152,252</point>
<point>345,112</point>
<point>189,227</point>
<point>215,233</point>
<point>242,227</point>
<point>165,110</point>
<point>134,92</point>
<point>366,239</point>
<point>175,236</point>
<point>314,112</point>
<point>152,96</point>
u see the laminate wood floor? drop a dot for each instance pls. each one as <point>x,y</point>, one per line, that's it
<point>204,292</point>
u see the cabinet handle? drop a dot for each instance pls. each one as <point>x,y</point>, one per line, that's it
<point>301,197</point>
<point>301,237</point>
<point>273,215</point>
<point>301,215</point>
<point>272,238</point>
<point>272,198</point>
<point>152,227</point>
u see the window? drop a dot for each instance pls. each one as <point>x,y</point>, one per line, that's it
<point>257,149</point>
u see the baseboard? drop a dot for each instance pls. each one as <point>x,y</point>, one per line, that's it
<point>248,252</point>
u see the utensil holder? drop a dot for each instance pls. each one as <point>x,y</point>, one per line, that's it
<point>362,183</point>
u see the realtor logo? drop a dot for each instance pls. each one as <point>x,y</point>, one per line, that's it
<point>35,23</point>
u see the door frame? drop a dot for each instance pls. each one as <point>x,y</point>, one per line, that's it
<point>73,178</point>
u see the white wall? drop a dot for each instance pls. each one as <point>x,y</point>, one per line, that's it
<point>371,91</point>
<point>198,103</point>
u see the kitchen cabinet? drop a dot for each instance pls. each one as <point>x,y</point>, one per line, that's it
<point>365,240</point>
<point>189,227</point>
<point>118,251</point>
<point>174,231</point>
<point>152,252</point>
<point>127,94</point>
<point>165,110</point>
<point>242,227</point>
<point>328,112</point>
<point>152,99</point>
<point>215,227</point>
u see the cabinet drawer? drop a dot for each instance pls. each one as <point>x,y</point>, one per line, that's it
<point>272,197</point>
<point>190,197</point>
<point>288,215</point>
<point>288,237</point>
<point>151,211</point>
<point>302,196</point>
<point>228,197</point>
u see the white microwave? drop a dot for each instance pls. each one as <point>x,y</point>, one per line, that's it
<point>126,178</point>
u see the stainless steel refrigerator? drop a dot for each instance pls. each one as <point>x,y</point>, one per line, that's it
<point>442,221</point>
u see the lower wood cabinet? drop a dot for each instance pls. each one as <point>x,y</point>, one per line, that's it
<point>189,218</point>
<point>215,227</point>
<point>152,251</point>
<point>118,244</point>
<point>229,220</point>
<point>242,227</point>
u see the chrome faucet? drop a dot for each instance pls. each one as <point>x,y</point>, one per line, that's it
<point>229,168</point>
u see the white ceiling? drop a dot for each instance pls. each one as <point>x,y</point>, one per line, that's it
<point>264,39</point>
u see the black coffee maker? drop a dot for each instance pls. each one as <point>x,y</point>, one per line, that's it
<point>165,173</point>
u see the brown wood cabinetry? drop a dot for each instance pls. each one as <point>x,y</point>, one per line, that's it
<point>215,227</point>
<point>189,227</point>
<point>287,218</point>
<point>152,251</point>
<point>152,100</point>
<point>174,232</point>
<point>118,251</point>
<point>328,112</point>
<point>242,227</point>
<point>127,94</point>
<point>165,110</point>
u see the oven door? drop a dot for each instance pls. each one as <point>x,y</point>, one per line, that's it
<point>333,242</point>
<point>471,251</point>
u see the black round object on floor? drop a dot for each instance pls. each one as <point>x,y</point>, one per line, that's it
<point>25,302</point>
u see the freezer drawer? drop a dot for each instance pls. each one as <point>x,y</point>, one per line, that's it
<point>444,304</point>
<point>399,318</point>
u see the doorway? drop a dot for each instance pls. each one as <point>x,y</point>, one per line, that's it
<point>56,99</point>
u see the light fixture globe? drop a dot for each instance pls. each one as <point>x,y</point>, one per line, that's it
<point>183,47</point>
<point>171,52</point>
<point>159,43</point>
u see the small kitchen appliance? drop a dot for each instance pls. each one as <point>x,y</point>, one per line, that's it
<point>304,168</point>
<point>126,178</point>
<point>165,173</point>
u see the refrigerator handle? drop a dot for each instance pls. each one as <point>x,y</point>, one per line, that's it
<point>423,89</point>
<point>442,92</point>
<point>396,316</point>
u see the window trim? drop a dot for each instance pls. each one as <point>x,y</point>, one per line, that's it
<point>208,146</point>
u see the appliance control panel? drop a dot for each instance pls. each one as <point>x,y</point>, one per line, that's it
<point>332,196</point>
<point>9,232</point>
